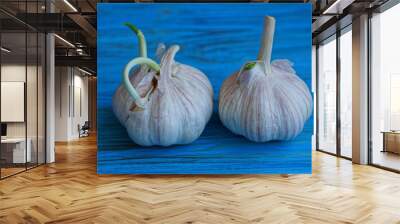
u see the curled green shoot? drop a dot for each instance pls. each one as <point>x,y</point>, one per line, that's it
<point>141,39</point>
<point>140,102</point>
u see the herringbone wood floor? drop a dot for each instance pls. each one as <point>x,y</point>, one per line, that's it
<point>70,191</point>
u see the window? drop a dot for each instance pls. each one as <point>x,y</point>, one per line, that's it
<point>22,76</point>
<point>346,92</point>
<point>327,96</point>
<point>385,89</point>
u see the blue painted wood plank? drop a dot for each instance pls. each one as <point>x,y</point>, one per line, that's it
<point>217,39</point>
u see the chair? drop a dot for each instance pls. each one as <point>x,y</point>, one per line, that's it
<point>84,130</point>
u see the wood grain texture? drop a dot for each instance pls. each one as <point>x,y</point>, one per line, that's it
<point>216,39</point>
<point>70,191</point>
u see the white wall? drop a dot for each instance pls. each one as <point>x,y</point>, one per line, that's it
<point>33,127</point>
<point>62,82</point>
<point>17,72</point>
<point>71,94</point>
<point>80,100</point>
<point>9,73</point>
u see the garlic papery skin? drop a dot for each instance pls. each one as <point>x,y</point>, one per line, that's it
<point>164,104</point>
<point>139,78</point>
<point>265,101</point>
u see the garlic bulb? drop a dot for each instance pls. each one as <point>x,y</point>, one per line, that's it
<point>265,101</point>
<point>164,104</point>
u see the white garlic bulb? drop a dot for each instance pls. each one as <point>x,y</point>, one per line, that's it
<point>164,104</point>
<point>265,101</point>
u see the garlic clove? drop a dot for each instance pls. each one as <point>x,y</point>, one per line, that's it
<point>160,50</point>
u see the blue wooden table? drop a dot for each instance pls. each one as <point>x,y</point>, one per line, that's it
<point>217,39</point>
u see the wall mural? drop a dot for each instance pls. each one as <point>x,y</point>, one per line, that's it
<point>204,88</point>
